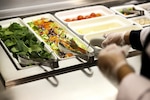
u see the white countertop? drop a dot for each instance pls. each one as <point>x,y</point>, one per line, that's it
<point>72,86</point>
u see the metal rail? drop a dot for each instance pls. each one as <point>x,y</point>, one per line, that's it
<point>50,74</point>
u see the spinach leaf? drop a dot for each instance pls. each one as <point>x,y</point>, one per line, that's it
<point>20,41</point>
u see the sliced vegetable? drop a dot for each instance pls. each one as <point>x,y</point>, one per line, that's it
<point>52,33</point>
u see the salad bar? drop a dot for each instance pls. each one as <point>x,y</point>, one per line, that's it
<point>53,43</point>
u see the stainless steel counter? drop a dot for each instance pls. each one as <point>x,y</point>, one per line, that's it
<point>14,8</point>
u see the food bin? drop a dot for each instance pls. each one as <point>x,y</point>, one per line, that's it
<point>128,11</point>
<point>144,21</point>
<point>98,25</point>
<point>145,6</point>
<point>19,44</point>
<point>83,13</point>
<point>52,32</point>
<point>100,36</point>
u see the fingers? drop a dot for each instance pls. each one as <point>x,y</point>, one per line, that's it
<point>106,42</point>
<point>110,38</point>
<point>125,50</point>
<point>106,35</point>
<point>111,58</point>
<point>111,47</point>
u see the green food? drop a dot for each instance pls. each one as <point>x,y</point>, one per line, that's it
<point>127,11</point>
<point>20,41</point>
<point>53,34</point>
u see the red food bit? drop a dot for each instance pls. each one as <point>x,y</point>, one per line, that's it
<point>87,16</point>
<point>80,17</point>
<point>73,19</point>
<point>68,20</point>
<point>93,15</point>
<point>68,55</point>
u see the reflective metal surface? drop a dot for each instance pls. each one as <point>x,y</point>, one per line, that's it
<point>14,8</point>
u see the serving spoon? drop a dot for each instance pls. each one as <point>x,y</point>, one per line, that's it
<point>96,44</point>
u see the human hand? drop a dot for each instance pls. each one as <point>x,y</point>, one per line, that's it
<point>117,38</point>
<point>111,58</point>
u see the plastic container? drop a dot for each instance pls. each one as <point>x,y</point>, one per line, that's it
<point>86,12</point>
<point>121,10</point>
<point>64,34</point>
<point>144,21</point>
<point>6,24</point>
<point>98,25</point>
<point>100,36</point>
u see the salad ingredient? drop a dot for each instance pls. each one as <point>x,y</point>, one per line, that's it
<point>98,28</point>
<point>143,21</point>
<point>81,17</point>
<point>131,10</point>
<point>21,42</point>
<point>52,33</point>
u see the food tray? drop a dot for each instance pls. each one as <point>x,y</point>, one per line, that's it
<point>7,23</point>
<point>142,20</point>
<point>99,36</point>
<point>85,12</point>
<point>89,37</point>
<point>119,9</point>
<point>100,24</point>
<point>145,6</point>
<point>60,33</point>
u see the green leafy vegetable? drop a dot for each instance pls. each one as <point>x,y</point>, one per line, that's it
<point>20,41</point>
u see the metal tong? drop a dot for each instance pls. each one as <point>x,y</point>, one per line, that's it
<point>134,11</point>
<point>89,57</point>
<point>24,61</point>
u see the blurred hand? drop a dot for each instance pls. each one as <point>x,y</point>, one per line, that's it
<point>6,95</point>
<point>117,38</point>
<point>111,58</point>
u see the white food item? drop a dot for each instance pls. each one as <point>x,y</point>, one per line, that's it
<point>143,21</point>
<point>98,28</point>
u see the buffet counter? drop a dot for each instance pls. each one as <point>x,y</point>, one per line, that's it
<point>72,86</point>
<point>65,79</point>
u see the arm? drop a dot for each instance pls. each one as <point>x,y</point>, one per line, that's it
<point>112,62</point>
<point>136,38</point>
<point>134,87</point>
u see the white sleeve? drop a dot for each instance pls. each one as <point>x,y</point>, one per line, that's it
<point>134,87</point>
<point>144,33</point>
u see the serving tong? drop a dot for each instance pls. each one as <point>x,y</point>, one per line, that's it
<point>53,63</point>
<point>134,11</point>
<point>24,61</point>
<point>89,57</point>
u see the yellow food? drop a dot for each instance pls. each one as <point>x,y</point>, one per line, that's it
<point>98,28</point>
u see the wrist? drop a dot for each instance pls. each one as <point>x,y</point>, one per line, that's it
<point>123,71</point>
<point>126,37</point>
